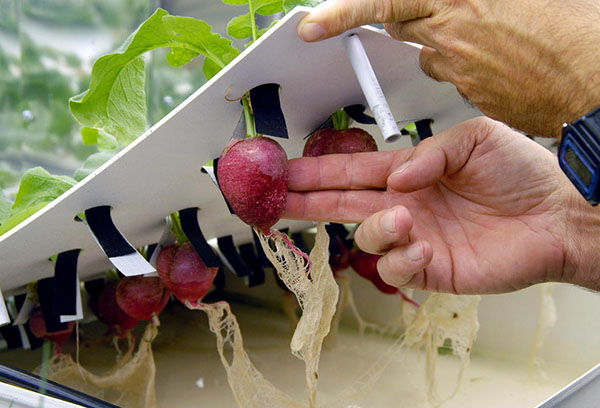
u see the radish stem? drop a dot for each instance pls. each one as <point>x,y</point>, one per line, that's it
<point>249,117</point>
<point>253,21</point>
<point>177,229</point>
<point>407,299</point>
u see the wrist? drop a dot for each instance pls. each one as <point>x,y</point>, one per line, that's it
<point>581,242</point>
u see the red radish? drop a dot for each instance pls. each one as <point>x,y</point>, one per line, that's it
<point>340,261</point>
<point>253,175</point>
<point>109,312</point>
<point>182,271</point>
<point>142,297</point>
<point>330,141</point>
<point>366,266</point>
<point>38,328</point>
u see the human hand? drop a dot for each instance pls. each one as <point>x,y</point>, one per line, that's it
<point>531,64</point>
<point>478,208</point>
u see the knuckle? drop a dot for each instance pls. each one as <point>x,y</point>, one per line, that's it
<point>384,11</point>
<point>394,30</point>
<point>428,68</point>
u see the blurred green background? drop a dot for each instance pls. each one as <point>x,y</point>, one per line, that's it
<point>47,49</point>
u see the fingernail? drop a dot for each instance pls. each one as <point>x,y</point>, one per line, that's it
<point>402,168</point>
<point>311,32</point>
<point>388,222</point>
<point>414,252</point>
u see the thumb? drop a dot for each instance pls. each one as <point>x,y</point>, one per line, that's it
<point>441,155</point>
<point>333,17</point>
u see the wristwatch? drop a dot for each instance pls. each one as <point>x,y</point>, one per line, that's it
<point>579,155</point>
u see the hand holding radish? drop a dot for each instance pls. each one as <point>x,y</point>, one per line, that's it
<point>475,209</point>
<point>531,64</point>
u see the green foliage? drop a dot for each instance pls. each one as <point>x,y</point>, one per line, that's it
<point>37,188</point>
<point>195,35</point>
<point>288,5</point>
<point>115,101</point>
<point>92,163</point>
<point>268,7</point>
<point>240,27</point>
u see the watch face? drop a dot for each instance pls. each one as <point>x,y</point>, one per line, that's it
<point>578,166</point>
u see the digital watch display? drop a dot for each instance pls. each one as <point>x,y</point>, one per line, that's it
<point>579,155</point>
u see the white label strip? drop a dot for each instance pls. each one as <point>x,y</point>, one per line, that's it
<point>25,311</point>
<point>22,332</point>
<point>78,306</point>
<point>4,318</point>
<point>167,238</point>
<point>129,265</point>
<point>371,88</point>
<point>213,243</point>
<point>132,264</point>
<point>210,170</point>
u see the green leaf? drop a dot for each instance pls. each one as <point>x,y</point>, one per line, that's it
<point>196,35</point>
<point>115,101</point>
<point>5,205</point>
<point>260,33</point>
<point>180,56</point>
<point>103,140</point>
<point>268,7</point>
<point>210,68</point>
<point>18,218</point>
<point>37,186</point>
<point>89,136</point>
<point>37,189</point>
<point>92,163</point>
<point>240,27</point>
<point>288,5</point>
<point>235,2</point>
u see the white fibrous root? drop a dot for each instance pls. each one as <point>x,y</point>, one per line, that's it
<point>311,280</point>
<point>249,387</point>
<point>129,384</point>
<point>346,301</point>
<point>545,323</point>
<point>444,317</point>
<point>441,317</point>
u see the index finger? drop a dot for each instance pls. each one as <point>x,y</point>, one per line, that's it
<point>333,17</point>
<point>356,171</point>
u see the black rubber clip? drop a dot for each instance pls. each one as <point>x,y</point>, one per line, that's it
<point>118,250</point>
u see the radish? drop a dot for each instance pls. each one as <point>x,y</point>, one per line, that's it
<point>110,313</point>
<point>366,266</point>
<point>142,297</point>
<point>253,175</point>
<point>182,271</point>
<point>330,141</point>
<point>340,261</point>
<point>38,328</point>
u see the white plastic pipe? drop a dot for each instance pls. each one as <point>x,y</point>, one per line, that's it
<point>370,87</point>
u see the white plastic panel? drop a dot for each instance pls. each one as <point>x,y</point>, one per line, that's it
<point>160,172</point>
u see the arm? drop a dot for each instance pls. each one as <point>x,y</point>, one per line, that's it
<point>532,64</point>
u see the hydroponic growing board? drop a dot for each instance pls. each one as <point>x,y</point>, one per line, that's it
<point>160,172</point>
